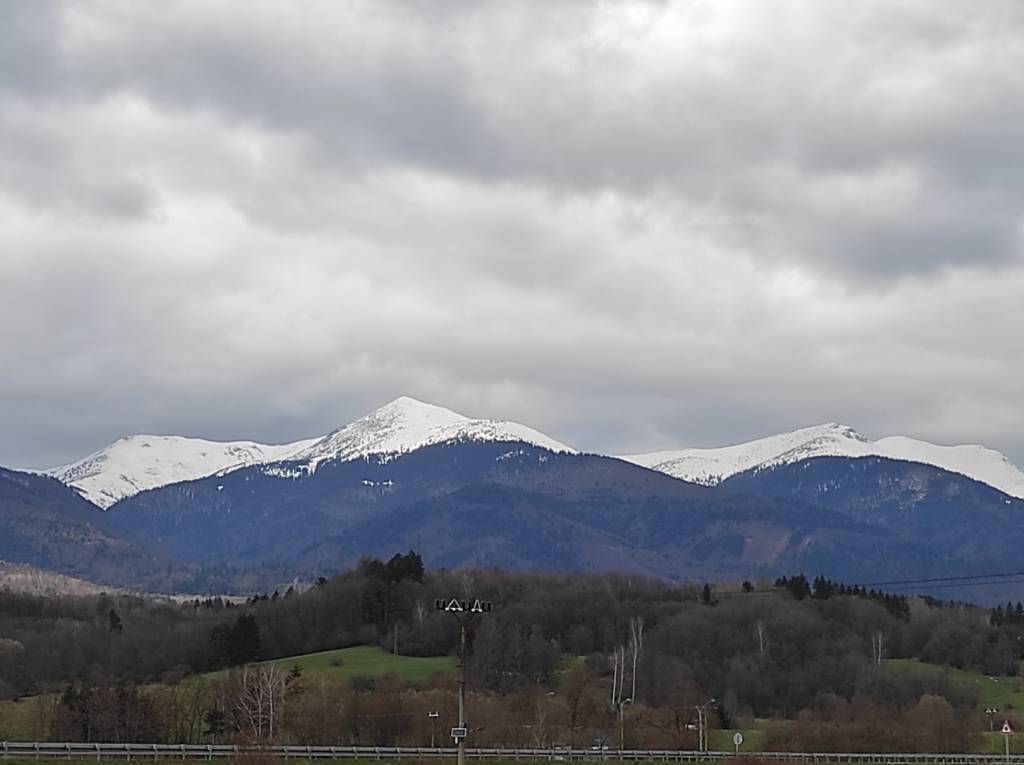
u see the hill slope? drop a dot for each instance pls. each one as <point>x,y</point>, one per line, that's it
<point>47,525</point>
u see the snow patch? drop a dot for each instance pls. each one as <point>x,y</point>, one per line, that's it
<point>284,471</point>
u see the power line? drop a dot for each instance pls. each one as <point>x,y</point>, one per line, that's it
<point>962,584</point>
<point>970,577</point>
<point>930,583</point>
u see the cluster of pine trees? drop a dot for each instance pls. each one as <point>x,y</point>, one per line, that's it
<point>1012,615</point>
<point>823,589</point>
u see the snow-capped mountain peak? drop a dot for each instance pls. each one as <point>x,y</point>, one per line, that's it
<point>406,424</point>
<point>137,463</point>
<point>714,465</point>
<point>711,466</point>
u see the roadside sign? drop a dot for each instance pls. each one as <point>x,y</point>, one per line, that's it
<point>1007,728</point>
<point>737,739</point>
<point>454,605</point>
<point>458,733</point>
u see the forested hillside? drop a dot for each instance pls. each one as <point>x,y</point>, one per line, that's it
<point>791,649</point>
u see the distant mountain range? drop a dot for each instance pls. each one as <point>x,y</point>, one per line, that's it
<point>503,504</point>
<point>191,514</point>
<point>138,463</point>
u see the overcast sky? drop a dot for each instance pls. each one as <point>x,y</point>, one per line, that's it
<point>630,225</point>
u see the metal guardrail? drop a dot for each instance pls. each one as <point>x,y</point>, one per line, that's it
<point>71,750</point>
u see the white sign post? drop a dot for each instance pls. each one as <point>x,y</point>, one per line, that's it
<point>1006,732</point>
<point>737,739</point>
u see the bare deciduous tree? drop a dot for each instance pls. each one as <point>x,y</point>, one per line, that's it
<point>877,646</point>
<point>259,699</point>
<point>636,644</point>
<point>761,633</point>
<point>618,674</point>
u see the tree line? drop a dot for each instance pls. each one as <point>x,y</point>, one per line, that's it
<point>576,650</point>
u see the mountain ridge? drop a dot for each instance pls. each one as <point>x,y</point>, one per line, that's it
<point>140,463</point>
<point>711,466</point>
<point>483,504</point>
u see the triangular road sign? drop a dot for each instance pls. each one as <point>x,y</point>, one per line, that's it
<point>1007,728</point>
<point>455,605</point>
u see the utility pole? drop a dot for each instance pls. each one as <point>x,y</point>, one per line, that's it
<point>463,610</point>
<point>461,740</point>
<point>700,728</point>
<point>702,725</point>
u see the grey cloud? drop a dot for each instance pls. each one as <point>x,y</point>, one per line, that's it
<point>501,94</point>
<point>631,226</point>
<point>28,46</point>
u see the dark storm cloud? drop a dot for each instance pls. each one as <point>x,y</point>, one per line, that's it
<point>633,225</point>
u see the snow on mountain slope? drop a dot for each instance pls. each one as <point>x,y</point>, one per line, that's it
<point>711,466</point>
<point>406,424</point>
<point>137,463</point>
<point>974,461</point>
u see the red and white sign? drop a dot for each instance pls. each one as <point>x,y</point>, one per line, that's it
<point>1007,728</point>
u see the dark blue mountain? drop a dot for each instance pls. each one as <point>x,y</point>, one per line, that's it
<point>949,512</point>
<point>46,524</point>
<point>971,527</point>
<point>515,505</point>
<point>504,504</point>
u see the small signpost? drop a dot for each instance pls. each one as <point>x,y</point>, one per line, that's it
<point>737,739</point>
<point>1006,731</point>
<point>458,733</point>
<point>433,724</point>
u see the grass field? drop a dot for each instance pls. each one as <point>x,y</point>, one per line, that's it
<point>21,720</point>
<point>365,661</point>
<point>1003,693</point>
<point>721,740</point>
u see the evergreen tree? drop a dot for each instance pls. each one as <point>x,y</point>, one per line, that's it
<point>114,623</point>
<point>705,595</point>
<point>244,643</point>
